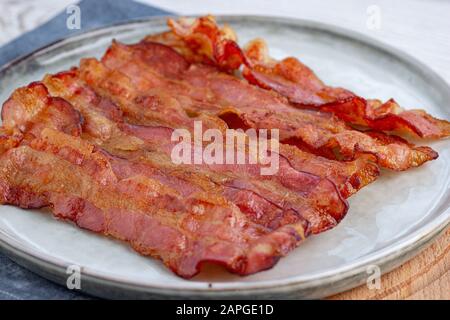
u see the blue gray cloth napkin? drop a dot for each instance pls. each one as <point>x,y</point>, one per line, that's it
<point>17,282</point>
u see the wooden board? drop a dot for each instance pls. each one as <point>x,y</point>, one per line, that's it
<point>426,276</point>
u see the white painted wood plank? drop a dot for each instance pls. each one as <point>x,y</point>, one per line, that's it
<point>19,16</point>
<point>421,28</point>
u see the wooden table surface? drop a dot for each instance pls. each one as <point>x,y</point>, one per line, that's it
<point>421,28</point>
<point>427,276</point>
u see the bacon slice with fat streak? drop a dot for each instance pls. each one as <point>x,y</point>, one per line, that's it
<point>98,154</point>
<point>207,43</point>
<point>30,108</point>
<point>296,196</point>
<point>301,86</point>
<point>100,192</point>
<point>246,106</point>
<point>281,189</point>
<point>294,80</point>
<point>349,176</point>
<point>184,232</point>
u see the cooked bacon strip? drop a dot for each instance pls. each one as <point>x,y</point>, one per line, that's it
<point>272,202</point>
<point>151,107</point>
<point>348,176</point>
<point>183,232</point>
<point>79,182</point>
<point>286,182</point>
<point>33,102</point>
<point>245,106</point>
<point>294,80</point>
<point>206,42</point>
<point>301,86</point>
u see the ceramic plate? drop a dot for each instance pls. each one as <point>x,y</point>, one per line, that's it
<point>388,222</point>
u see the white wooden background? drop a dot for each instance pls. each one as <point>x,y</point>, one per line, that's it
<point>419,27</point>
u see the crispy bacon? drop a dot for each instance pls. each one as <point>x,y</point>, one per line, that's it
<point>302,87</point>
<point>107,170</point>
<point>349,177</point>
<point>287,180</point>
<point>120,179</point>
<point>93,144</point>
<point>206,42</point>
<point>184,232</point>
<point>294,80</point>
<point>102,193</point>
<point>33,102</point>
<point>245,106</point>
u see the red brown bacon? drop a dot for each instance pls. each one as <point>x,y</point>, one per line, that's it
<point>296,179</point>
<point>302,87</point>
<point>349,177</point>
<point>183,232</point>
<point>40,111</point>
<point>246,106</point>
<point>207,43</point>
<point>99,192</point>
<point>93,144</point>
<point>294,80</point>
<point>290,195</point>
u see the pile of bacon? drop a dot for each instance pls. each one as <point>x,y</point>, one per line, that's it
<point>93,144</point>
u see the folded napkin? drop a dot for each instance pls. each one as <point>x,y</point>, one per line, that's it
<point>17,282</point>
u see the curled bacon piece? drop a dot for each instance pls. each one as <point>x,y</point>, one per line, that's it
<point>93,144</point>
<point>246,106</point>
<point>294,80</point>
<point>184,232</point>
<point>163,213</point>
<point>277,199</point>
<point>284,186</point>
<point>34,102</point>
<point>208,43</point>
<point>302,87</point>
<point>348,176</point>
<point>81,182</point>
